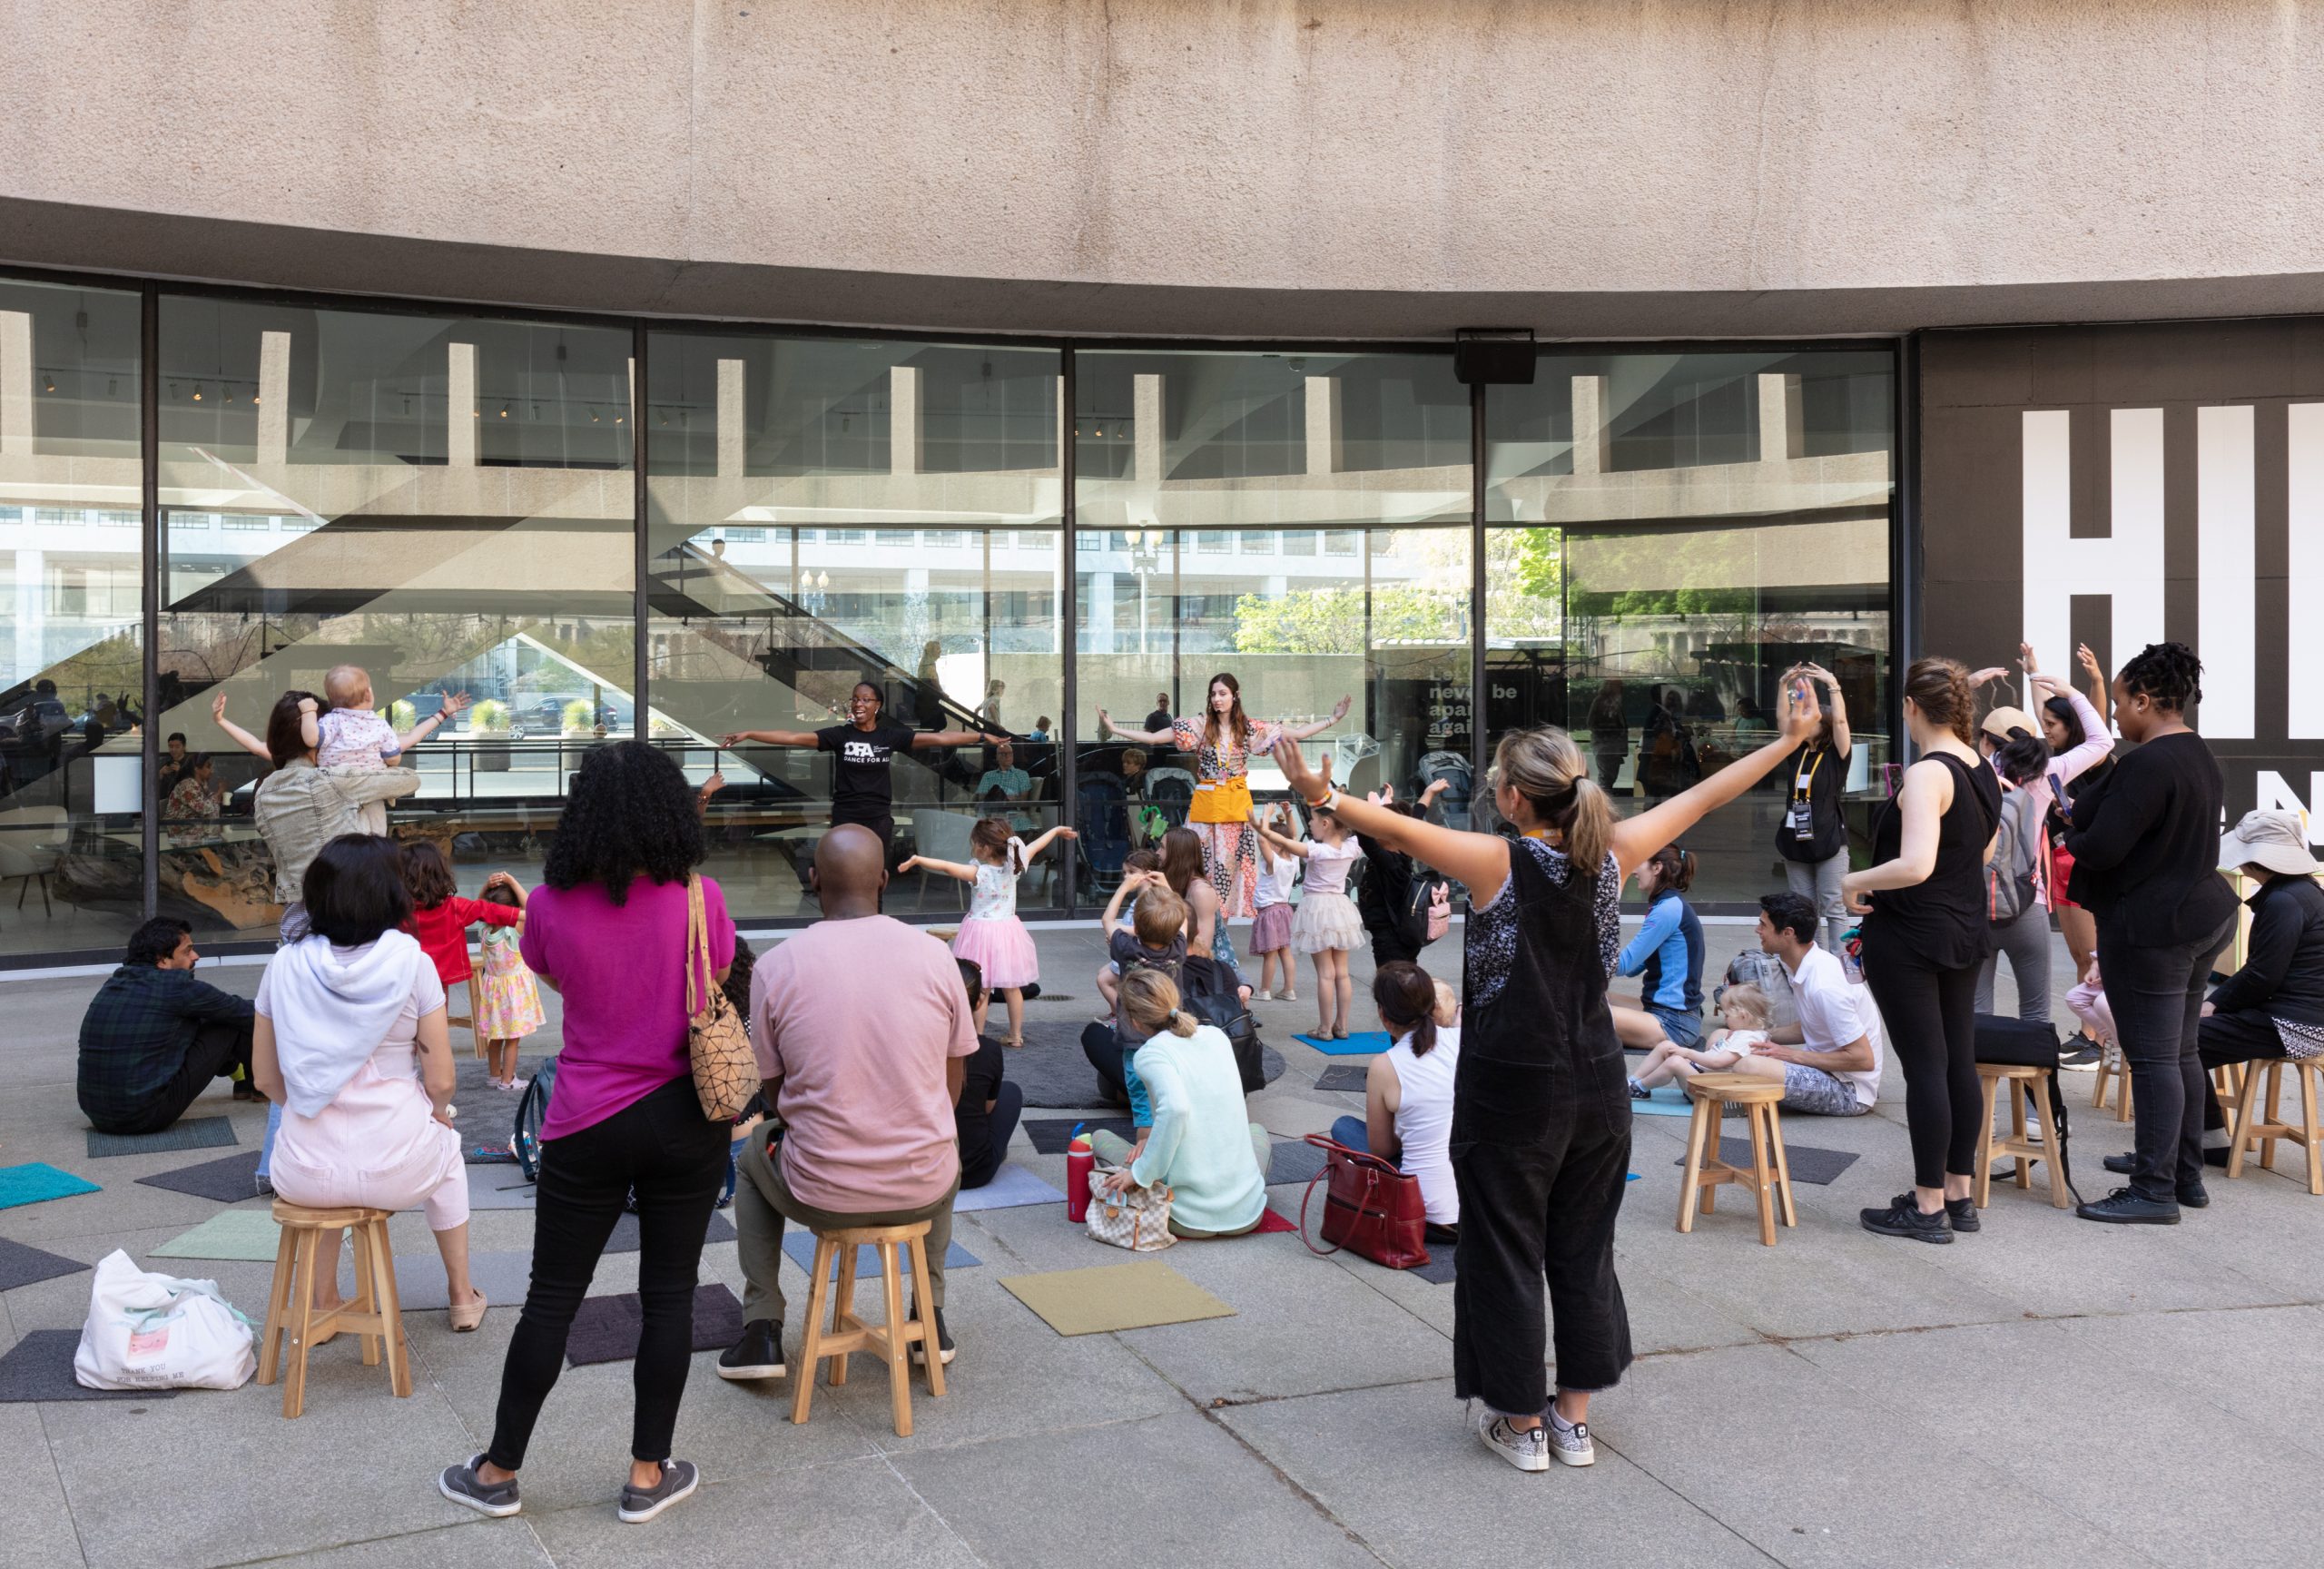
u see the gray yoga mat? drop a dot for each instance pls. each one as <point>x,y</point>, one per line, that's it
<point>1294,1160</point>
<point>420,1288</point>
<point>1055,1075</point>
<point>1807,1162</point>
<point>606,1329</point>
<point>40,1367</point>
<point>192,1133</point>
<point>1438,1267</point>
<point>517,1194</point>
<point>1343,1076</point>
<point>624,1238</point>
<point>229,1180</point>
<point>25,1265</point>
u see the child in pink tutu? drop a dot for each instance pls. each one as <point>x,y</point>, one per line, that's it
<point>1325,925</point>
<point>991,936</point>
<point>1270,931</point>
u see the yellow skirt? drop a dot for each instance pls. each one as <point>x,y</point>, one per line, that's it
<point>1221,801</point>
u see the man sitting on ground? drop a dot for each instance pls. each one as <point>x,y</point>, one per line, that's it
<point>154,1037</point>
<point>1829,1062</point>
<point>863,1035</point>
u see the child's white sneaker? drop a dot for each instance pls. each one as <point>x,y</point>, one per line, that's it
<point>1288,997</point>
<point>1263,996</point>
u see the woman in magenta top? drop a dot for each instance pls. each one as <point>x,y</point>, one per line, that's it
<point>608,932</point>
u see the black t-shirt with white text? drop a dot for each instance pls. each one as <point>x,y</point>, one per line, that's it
<point>861,787</point>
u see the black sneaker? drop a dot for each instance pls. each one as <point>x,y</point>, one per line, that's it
<point>462,1484</point>
<point>2194,1195</point>
<point>944,1342</point>
<point>639,1504</point>
<point>2080,1053</point>
<point>1640,1091</point>
<point>2127,1207</point>
<point>261,1185</point>
<point>757,1355</point>
<point>1903,1218</point>
<point>1961,1213</point>
<point>2121,1165</point>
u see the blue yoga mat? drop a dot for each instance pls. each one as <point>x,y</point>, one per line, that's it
<point>1664,1100</point>
<point>35,1180</point>
<point>800,1246</point>
<point>1362,1043</point>
<point>1011,1188</point>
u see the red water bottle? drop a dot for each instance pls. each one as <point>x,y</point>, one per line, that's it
<point>1080,1160</point>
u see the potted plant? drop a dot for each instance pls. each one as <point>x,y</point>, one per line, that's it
<point>578,719</point>
<point>488,723</point>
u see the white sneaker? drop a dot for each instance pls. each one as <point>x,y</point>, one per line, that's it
<point>1526,1451</point>
<point>1287,997</point>
<point>1262,996</point>
<point>1569,1441</point>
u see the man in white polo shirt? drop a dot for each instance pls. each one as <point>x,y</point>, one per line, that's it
<point>1830,1061</point>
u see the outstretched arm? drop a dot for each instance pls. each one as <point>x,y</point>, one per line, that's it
<point>235,733</point>
<point>929,738</point>
<point>965,873</point>
<point>1106,726</point>
<point>768,738</point>
<point>454,704</point>
<point>1480,861</point>
<point>1308,732</point>
<point>1636,838</point>
<point>1033,850</point>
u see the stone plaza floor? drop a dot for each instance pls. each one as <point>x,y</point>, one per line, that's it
<point>2046,1392</point>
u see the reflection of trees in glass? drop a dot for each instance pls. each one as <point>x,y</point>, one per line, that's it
<point>1524,571</point>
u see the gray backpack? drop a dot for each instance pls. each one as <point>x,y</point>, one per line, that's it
<point>2009,875</point>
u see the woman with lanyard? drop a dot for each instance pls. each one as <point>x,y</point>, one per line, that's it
<point>1813,838</point>
<point>1541,1138</point>
<point>862,752</point>
<point>1221,744</point>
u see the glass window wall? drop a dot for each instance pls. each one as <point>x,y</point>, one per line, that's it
<point>72,791</point>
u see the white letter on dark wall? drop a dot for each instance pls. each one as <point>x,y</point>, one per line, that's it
<point>2226,570</point>
<point>2304,643</point>
<point>2126,567</point>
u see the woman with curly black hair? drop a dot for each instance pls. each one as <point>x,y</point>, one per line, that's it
<point>609,932</point>
<point>2145,846</point>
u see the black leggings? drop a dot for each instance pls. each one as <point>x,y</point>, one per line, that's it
<point>662,1148</point>
<point>1931,1014</point>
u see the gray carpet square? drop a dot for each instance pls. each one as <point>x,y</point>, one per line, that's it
<point>1809,1164</point>
<point>606,1329</point>
<point>25,1265</point>
<point>192,1133</point>
<point>229,1180</point>
<point>40,1367</point>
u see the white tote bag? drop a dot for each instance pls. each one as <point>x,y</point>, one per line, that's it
<point>1138,1220</point>
<point>158,1332</point>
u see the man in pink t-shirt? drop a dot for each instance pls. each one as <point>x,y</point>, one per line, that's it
<point>863,1035</point>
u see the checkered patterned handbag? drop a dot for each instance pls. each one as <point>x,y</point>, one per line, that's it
<point>725,1069</point>
<point>1138,1220</point>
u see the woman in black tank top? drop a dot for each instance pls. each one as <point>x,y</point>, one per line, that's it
<point>1924,937</point>
<point>1540,1139</point>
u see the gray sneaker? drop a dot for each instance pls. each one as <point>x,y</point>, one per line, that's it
<point>1569,1442</point>
<point>462,1484</point>
<point>1526,1451</point>
<point>639,1504</point>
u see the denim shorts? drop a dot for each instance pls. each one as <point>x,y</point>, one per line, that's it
<point>1683,1027</point>
<point>1818,1093</point>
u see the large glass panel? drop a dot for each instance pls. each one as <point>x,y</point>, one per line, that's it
<point>825,512</point>
<point>442,503</point>
<point>1300,520</point>
<point>73,794</point>
<point>1666,535</point>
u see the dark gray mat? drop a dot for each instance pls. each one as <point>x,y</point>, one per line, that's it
<point>40,1367</point>
<point>23,1266</point>
<point>1438,1267</point>
<point>1343,1076</point>
<point>606,1329</point>
<point>1808,1163</point>
<point>229,1180</point>
<point>515,1194</point>
<point>484,1117</point>
<point>1294,1160</point>
<point>624,1236</point>
<point>421,1287</point>
<point>1055,1075</point>
<point>192,1133</point>
<point>1051,1135</point>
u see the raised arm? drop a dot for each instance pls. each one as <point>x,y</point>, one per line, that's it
<point>1276,841</point>
<point>1636,838</point>
<point>1308,732</point>
<point>768,738</point>
<point>2100,697</point>
<point>1843,742</point>
<point>235,733</point>
<point>310,724</point>
<point>2096,739</point>
<point>1033,850</point>
<point>455,705</point>
<point>1479,860</point>
<point>960,870</point>
<point>1106,726</point>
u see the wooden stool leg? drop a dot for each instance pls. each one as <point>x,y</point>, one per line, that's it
<point>843,1316</point>
<point>2272,1098</point>
<point>1762,1175</point>
<point>1983,1188</point>
<point>391,1309</point>
<point>899,1349</point>
<point>1783,1164</point>
<point>2018,1095</point>
<point>2238,1139</point>
<point>1690,1179</point>
<point>302,1315</point>
<point>2312,1139</point>
<point>810,1343</point>
<point>2059,1198</point>
<point>926,1314</point>
<point>278,1305</point>
<point>366,1293</point>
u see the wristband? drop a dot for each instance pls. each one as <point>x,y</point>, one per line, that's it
<point>1331,799</point>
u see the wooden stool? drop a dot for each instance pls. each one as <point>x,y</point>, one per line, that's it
<point>2024,1083</point>
<point>848,1334</point>
<point>1770,1178</point>
<point>374,1313</point>
<point>2112,1067</point>
<point>2254,1118</point>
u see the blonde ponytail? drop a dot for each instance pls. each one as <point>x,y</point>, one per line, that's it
<point>1545,768</point>
<point>1589,830</point>
<point>1180,1023</point>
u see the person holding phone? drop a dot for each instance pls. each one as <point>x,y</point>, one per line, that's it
<point>1813,836</point>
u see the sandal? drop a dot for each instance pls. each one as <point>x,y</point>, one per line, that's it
<point>466,1315</point>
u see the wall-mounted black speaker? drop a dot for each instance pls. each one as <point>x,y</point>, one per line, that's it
<point>1493,356</point>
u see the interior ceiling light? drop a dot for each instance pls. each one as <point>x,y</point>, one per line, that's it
<point>197,391</point>
<point>48,384</point>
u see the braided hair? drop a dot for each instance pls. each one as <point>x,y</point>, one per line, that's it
<point>2168,674</point>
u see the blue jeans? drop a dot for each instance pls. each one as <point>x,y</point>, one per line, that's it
<point>1683,1027</point>
<point>1354,1133</point>
<point>273,1126</point>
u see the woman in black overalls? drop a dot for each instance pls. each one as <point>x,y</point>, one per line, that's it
<point>1541,1107</point>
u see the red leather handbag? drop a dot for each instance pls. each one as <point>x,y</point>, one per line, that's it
<point>1370,1208</point>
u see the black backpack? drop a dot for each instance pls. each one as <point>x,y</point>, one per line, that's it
<point>1211,993</point>
<point>1421,895</point>
<point>532,1110</point>
<point>2028,1043</point>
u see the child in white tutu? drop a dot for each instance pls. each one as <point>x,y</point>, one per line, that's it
<point>1744,1007</point>
<point>1271,929</point>
<point>991,936</point>
<point>1327,925</point>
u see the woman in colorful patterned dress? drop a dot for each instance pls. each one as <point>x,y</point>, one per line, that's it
<point>1221,744</point>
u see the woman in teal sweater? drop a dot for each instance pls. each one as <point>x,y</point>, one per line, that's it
<point>1202,1145</point>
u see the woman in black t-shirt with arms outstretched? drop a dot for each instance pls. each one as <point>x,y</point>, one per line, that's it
<point>862,750</point>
